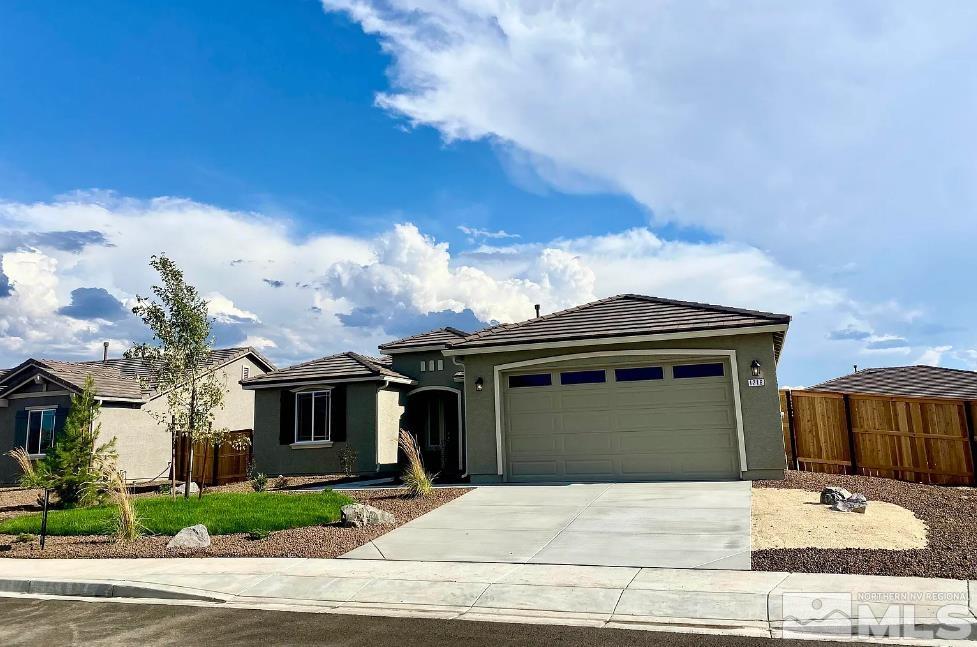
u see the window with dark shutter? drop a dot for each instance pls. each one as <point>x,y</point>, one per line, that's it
<point>338,417</point>
<point>20,429</point>
<point>286,418</point>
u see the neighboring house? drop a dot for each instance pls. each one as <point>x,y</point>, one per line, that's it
<point>36,395</point>
<point>625,388</point>
<point>906,381</point>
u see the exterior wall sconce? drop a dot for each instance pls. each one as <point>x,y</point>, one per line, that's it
<point>755,369</point>
<point>479,384</point>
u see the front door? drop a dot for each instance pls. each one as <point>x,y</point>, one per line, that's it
<point>432,417</point>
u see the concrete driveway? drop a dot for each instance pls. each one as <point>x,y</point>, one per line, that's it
<point>670,525</point>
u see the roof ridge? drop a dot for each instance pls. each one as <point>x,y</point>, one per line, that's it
<point>702,304</point>
<point>451,329</point>
<point>526,322</point>
<point>364,360</point>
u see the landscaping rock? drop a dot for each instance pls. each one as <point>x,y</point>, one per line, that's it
<point>193,537</point>
<point>357,515</point>
<point>854,503</point>
<point>833,494</point>
<point>194,489</point>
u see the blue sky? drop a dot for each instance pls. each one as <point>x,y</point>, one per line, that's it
<point>335,174</point>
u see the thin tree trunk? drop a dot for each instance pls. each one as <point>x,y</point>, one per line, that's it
<point>189,437</point>
<point>203,471</point>
<point>172,461</point>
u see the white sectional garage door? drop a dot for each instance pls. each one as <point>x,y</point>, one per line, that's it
<point>618,422</point>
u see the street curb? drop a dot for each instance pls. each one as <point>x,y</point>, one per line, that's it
<point>105,589</point>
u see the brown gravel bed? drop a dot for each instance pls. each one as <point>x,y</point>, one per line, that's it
<point>949,512</point>
<point>312,541</point>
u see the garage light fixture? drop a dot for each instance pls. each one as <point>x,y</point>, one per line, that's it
<point>479,384</point>
<point>756,369</point>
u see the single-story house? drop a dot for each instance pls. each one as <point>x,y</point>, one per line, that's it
<point>907,382</point>
<point>36,395</point>
<point>625,388</point>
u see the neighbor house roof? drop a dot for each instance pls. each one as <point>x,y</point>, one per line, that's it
<point>436,338</point>
<point>346,366</point>
<point>623,316</point>
<point>119,378</point>
<point>908,381</point>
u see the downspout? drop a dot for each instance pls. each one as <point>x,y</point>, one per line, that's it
<point>464,413</point>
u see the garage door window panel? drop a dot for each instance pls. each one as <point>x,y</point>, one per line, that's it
<point>583,377</point>
<point>691,371</point>
<point>527,381</point>
<point>639,374</point>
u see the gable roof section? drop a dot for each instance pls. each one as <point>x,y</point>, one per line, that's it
<point>119,378</point>
<point>907,381</point>
<point>437,338</point>
<point>623,315</point>
<point>341,367</point>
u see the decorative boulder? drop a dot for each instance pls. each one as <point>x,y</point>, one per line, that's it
<point>193,537</point>
<point>854,503</point>
<point>833,494</point>
<point>357,515</point>
<point>194,488</point>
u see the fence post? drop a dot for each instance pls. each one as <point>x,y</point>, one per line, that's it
<point>851,435</point>
<point>969,422</point>
<point>790,428</point>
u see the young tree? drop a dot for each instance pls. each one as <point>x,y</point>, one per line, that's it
<point>75,466</point>
<point>182,334</point>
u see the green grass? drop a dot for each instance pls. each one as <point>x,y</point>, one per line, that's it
<point>222,513</point>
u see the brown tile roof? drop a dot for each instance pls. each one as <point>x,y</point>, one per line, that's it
<point>439,337</point>
<point>909,381</point>
<point>118,378</point>
<point>342,366</point>
<point>620,316</point>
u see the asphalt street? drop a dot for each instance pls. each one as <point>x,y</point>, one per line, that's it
<point>67,622</point>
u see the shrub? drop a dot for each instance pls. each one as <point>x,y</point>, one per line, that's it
<point>281,482</point>
<point>259,482</point>
<point>258,535</point>
<point>415,477</point>
<point>165,488</point>
<point>24,538</point>
<point>347,460</point>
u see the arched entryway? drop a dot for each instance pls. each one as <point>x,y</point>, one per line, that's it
<point>433,415</point>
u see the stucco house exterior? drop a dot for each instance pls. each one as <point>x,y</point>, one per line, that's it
<point>626,388</point>
<point>36,395</point>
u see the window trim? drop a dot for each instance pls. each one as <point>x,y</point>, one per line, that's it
<point>430,365</point>
<point>40,410</point>
<point>440,364</point>
<point>295,428</point>
<point>423,366</point>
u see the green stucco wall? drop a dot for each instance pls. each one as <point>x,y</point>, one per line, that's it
<point>9,472</point>
<point>362,432</point>
<point>760,406</point>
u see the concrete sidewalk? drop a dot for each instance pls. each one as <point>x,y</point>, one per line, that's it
<point>729,602</point>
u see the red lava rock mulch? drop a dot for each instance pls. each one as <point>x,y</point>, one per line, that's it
<point>949,512</point>
<point>312,541</point>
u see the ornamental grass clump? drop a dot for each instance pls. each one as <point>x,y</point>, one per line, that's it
<point>416,479</point>
<point>127,524</point>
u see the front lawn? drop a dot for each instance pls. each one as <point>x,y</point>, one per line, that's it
<point>222,513</point>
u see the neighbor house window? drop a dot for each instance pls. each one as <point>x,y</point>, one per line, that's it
<point>423,366</point>
<point>697,370</point>
<point>312,416</point>
<point>440,364</point>
<point>40,430</point>
<point>430,365</point>
<point>639,374</point>
<point>582,377</point>
<point>537,379</point>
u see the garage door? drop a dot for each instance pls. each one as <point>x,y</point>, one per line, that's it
<point>618,422</point>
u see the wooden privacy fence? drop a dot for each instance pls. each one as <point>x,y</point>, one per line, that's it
<point>923,440</point>
<point>215,465</point>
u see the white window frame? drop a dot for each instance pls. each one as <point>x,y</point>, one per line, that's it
<point>314,441</point>
<point>423,366</point>
<point>40,411</point>
<point>440,364</point>
<point>430,365</point>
